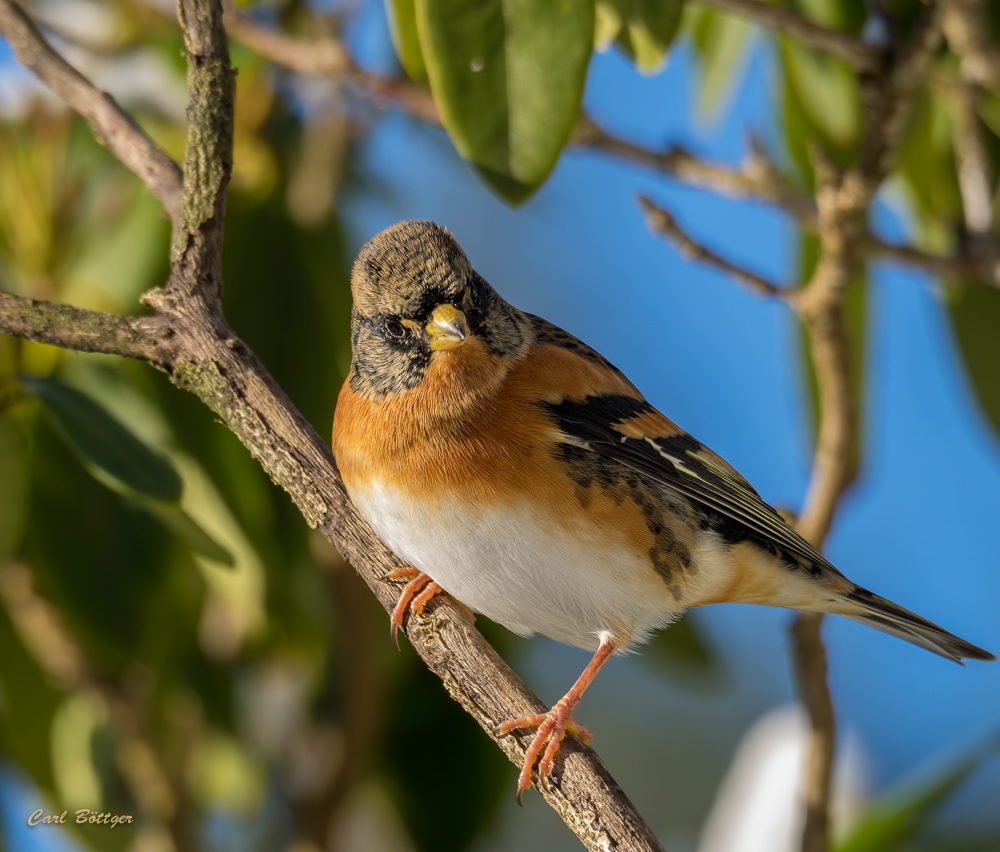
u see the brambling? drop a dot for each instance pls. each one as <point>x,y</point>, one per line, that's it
<point>521,472</point>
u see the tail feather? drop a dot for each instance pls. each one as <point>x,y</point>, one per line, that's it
<point>868,608</point>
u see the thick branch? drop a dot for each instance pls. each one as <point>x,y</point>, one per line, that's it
<point>862,56</point>
<point>111,125</point>
<point>211,362</point>
<point>196,255</point>
<point>207,359</point>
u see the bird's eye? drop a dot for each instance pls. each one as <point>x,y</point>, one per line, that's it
<point>395,329</point>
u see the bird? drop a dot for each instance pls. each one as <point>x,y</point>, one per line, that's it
<point>513,467</point>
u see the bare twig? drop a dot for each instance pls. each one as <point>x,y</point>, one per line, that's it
<point>982,266</point>
<point>973,165</point>
<point>862,56</point>
<point>756,178</point>
<point>326,54</point>
<point>662,223</point>
<point>111,126</point>
<point>969,36</point>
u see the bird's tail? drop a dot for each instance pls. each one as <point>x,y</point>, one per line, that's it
<point>882,614</point>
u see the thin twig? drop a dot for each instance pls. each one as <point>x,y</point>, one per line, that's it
<point>756,178</point>
<point>111,125</point>
<point>982,266</point>
<point>972,162</point>
<point>327,54</point>
<point>864,57</point>
<point>969,36</point>
<point>661,222</point>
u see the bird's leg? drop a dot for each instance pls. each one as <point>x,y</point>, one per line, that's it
<point>415,596</point>
<point>554,725</point>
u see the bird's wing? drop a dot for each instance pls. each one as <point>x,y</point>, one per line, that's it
<point>632,432</point>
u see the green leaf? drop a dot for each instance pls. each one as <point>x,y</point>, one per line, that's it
<point>508,78</point>
<point>607,23</point>
<point>925,165</point>
<point>828,92</point>
<point>975,319</point>
<point>181,524</point>
<point>104,443</point>
<point>899,816</point>
<point>13,486</point>
<point>28,702</point>
<point>649,29</point>
<point>402,17</point>
<point>681,644</point>
<point>721,43</point>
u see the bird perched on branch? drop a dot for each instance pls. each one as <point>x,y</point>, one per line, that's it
<point>522,473</point>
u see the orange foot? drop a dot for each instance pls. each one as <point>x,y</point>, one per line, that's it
<point>552,729</point>
<point>554,725</point>
<point>415,596</point>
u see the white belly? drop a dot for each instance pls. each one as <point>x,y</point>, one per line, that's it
<point>531,578</point>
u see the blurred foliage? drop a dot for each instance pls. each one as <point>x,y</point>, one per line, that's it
<point>173,643</point>
<point>892,823</point>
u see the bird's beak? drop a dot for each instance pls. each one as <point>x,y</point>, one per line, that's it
<point>446,328</point>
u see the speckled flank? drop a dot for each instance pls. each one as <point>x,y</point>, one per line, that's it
<point>668,523</point>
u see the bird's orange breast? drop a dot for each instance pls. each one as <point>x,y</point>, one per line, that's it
<point>500,449</point>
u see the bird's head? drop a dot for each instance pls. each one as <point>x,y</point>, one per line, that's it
<point>421,310</point>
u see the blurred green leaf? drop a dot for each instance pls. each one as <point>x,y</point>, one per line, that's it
<point>607,23</point>
<point>926,166</point>
<point>402,17</point>
<point>103,442</point>
<point>186,528</point>
<point>97,556</point>
<point>681,644</point>
<point>508,77</point>
<point>649,28</point>
<point>28,702</point>
<point>828,93</point>
<point>845,15</point>
<point>13,486</point>
<point>721,43</point>
<point>975,319</point>
<point>891,823</point>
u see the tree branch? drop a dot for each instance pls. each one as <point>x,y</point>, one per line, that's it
<point>226,375</point>
<point>862,56</point>
<point>111,125</point>
<point>206,358</point>
<point>327,54</point>
<point>969,36</point>
<point>662,223</point>
<point>757,178</point>
<point>143,338</point>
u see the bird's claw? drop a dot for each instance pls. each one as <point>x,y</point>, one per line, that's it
<point>552,729</point>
